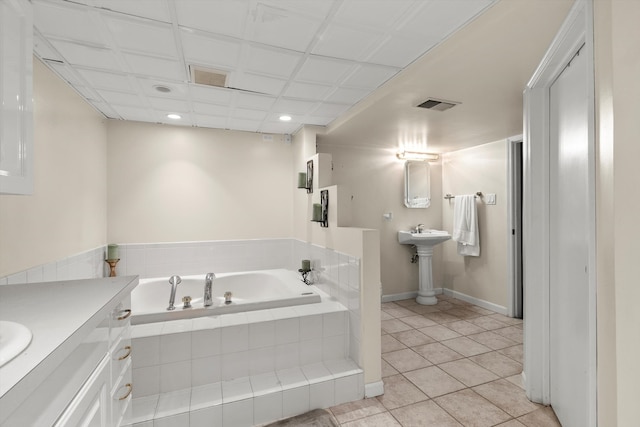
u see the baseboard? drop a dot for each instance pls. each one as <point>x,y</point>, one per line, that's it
<point>476,301</point>
<point>405,295</point>
<point>374,389</point>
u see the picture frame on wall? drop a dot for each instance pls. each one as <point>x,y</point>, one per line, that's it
<point>310,176</point>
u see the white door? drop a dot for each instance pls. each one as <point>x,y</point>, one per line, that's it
<point>569,247</point>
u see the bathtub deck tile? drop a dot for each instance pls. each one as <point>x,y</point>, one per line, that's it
<point>206,396</point>
<point>172,403</point>
<point>147,330</point>
<point>177,326</point>
<point>233,319</point>
<point>235,390</point>
<point>207,322</point>
<point>316,373</point>
<point>265,384</point>
<point>292,378</point>
<point>342,367</point>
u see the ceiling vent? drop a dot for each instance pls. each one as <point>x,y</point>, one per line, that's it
<point>208,76</point>
<point>438,104</point>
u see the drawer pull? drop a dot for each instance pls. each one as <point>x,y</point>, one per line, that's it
<point>124,314</point>
<point>128,348</point>
<point>130,387</point>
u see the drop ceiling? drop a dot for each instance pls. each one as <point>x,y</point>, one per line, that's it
<point>309,59</point>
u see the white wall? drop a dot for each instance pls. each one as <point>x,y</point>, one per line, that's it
<point>66,214</point>
<point>172,183</point>
<point>481,168</point>
<point>375,180</point>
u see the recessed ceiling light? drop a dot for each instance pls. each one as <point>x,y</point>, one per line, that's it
<point>285,118</point>
<point>174,116</point>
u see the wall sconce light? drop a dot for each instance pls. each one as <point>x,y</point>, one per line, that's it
<point>416,155</point>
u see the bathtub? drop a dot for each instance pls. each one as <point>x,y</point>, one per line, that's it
<point>253,290</point>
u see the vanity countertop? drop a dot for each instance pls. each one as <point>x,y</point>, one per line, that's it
<point>60,315</point>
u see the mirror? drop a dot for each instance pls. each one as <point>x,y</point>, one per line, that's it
<point>417,184</point>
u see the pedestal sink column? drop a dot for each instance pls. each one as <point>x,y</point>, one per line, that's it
<point>426,295</point>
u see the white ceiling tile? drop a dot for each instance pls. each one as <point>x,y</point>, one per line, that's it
<point>246,125</point>
<point>313,8</point>
<point>330,110</point>
<point>65,72</point>
<point>369,76</point>
<point>65,20</point>
<point>373,13</point>
<point>211,94</point>
<point>341,41</point>
<point>106,109</point>
<point>275,62</point>
<point>256,83</point>
<point>43,49</point>
<point>185,120</point>
<point>438,18</point>
<point>247,114</point>
<point>87,56</point>
<point>307,90</point>
<point>279,127</point>
<point>155,67</point>
<point>323,70</point>
<point>178,90</point>
<point>400,51</point>
<point>255,101</point>
<point>87,92</point>
<point>206,109</point>
<point>105,80</point>
<point>220,17</point>
<point>133,113</point>
<point>279,27</point>
<point>169,105</point>
<point>142,36</point>
<point>119,98</point>
<point>211,121</point>
<point>347,95</point>
<point>294,106</point>
<point>317,120</point>
<point>151,9</point>
<point>201,49</point>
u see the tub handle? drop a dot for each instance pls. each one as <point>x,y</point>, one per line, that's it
<point>130,387</point>
<point>128,348</point>
<point>124,314</point>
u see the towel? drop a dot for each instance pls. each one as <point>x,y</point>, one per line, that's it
<point>465,226</point>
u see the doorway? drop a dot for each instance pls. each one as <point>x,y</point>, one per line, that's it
<point>515,292</point>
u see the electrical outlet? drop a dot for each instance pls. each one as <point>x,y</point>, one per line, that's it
<point>491,199</point>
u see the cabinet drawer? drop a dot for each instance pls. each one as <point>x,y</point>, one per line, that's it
<point>121,398</point>
<point>121,355</point>
<point>120,318</point>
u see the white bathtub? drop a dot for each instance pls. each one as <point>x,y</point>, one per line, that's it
<point>254,290</point>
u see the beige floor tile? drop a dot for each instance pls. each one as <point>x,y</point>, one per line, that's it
<point>399,312</point>
<point>459,302</point>
<point>514,333</point>
<point>492,340</point>
<point>515,352</point>
<point>389,343</point>
<point>413,338</point>
<point>463,327</point>
<point>467,372</point>
<point>462,313</point>
<point>380,420</point>
<point>488,323</point>
<point>505,319</point>
<point>480,310</point>
<point>385,316</point>
<point>543,417</point>
<point>466,346</point>
<point>418,321</point>
<point>471,409</point>
<point>512,423</point>
<point>424,414</point>
<point>405,360</point>
<point>439,332</point>
<point>399,391</point>
<point>407,302</point>
<point>388,305</point>
<point>441,317</point>
<point>497,363</point>
<point>437,353</point>
<point>394,325</point>
<point>387,370</point>
<point>434,381</point>
<point>507,397</point>
<point>445,305</point>
<point>422,309</point>
<point>517,380</point>
<point>356,410</point>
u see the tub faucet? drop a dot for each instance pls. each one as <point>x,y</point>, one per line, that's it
<point>174,281</point>
<point>208,282</point>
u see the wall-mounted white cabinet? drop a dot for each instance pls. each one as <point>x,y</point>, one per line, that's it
<point>16,89</point>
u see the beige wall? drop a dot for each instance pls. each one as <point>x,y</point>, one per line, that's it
<point>172,183</point>
<point>618,128</point>
<point>66,214</point>
<point>375,179</point>
<point>482,168</point>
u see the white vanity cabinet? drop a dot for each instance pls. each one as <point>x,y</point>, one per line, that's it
<point>16,92</point>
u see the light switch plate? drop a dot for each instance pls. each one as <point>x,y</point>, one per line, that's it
<point>491,199</point>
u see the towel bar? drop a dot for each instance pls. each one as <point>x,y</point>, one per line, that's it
<point>449,196</point>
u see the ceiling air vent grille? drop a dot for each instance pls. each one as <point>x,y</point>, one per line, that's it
<point>438,104</point>
<point>208,76</point>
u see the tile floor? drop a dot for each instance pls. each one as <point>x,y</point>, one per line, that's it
<point>451,364</point>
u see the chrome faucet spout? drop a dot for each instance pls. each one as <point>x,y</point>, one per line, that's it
<point>174,281</point>
<point>208,283</point>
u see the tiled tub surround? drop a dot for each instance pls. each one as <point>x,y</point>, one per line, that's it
<point>244,368</point>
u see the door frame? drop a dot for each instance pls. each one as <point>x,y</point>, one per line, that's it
<point>576,30</point>
<point>514,230</point>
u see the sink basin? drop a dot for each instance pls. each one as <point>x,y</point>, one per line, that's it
<point>426,238</point>
<point>14,338</point>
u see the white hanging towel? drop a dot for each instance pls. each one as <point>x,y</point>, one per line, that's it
<point>465,226</point>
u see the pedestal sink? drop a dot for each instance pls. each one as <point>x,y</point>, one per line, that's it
<point>425,243</point>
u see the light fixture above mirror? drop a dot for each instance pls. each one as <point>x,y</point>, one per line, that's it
<point>417,155</point>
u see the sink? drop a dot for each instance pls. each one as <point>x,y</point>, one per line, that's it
<point>14,338</point>
<point>426,238</point>
<point>424,243</point>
